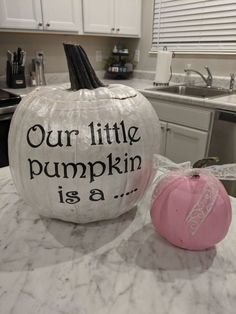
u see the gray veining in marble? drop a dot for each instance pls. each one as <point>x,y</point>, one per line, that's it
<point>120,266</point>
<point>143,80</point>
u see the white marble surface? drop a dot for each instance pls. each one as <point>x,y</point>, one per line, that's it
<point>120,266</point>
<point>224,102</point>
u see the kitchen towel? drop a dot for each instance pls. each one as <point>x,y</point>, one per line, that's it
<point>163,67</point>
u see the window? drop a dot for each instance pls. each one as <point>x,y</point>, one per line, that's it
<point>194,25</point>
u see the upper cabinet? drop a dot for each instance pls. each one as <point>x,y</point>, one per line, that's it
<point>98,16</point>
<point>19,14</point>
<point>104,17</point>
<point>128,17</point>
<point>61,15</point>
<point>50,15</point>
<point>112,17</point>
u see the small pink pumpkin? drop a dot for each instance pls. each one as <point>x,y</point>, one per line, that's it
<point>191,209</point>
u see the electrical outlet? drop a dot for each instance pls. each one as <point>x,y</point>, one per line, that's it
<point>137,55</point>
<point>98,56</point>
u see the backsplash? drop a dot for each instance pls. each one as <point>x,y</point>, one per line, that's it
<point>177,78</point>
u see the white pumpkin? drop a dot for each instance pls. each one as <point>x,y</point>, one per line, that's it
<point>85,155</point>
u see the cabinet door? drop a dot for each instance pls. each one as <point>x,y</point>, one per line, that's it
<point>98,16</point>
<point>61,15</point>
<point>20,14</point>
<point>128,17</point>
<point>163,138</point>
<point>185,144</point>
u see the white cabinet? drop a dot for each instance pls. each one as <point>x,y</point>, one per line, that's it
<point>98,16</point>
<point>163,138</point>
<point>113,17</point>
<point>61,15</point>
<point>20,14</point>
<point>185,144</point>
<point>185,130</point>
<point>49,15</point>
<point>128,17</point>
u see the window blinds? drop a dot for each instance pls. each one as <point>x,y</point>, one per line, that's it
<point>194,25</point>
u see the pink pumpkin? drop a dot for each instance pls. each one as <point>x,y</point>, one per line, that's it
<point>191,209</point>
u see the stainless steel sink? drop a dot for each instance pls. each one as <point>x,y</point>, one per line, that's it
<point>193,91</point>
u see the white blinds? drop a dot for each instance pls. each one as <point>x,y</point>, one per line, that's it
<point>194,25</point>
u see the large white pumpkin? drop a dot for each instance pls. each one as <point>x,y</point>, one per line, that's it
<point>86,155</point>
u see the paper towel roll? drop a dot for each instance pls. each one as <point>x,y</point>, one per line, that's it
<point>163,71</point>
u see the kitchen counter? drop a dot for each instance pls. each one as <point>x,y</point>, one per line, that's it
<point>139,84</point>
<point>220,102</point>
<point>120,266</point>
<point>223,102</point>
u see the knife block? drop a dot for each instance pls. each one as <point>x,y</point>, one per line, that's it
<point>15,79</point>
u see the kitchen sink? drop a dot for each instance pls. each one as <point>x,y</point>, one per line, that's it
<point>193,91</point>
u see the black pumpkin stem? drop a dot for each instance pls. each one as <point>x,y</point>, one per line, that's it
<point>82,74</point>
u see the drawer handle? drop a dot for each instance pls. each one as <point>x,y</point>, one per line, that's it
<point>168,129</point>
<point>48,24</point>
<point>40,24</point>
<point>117,29</point>
<point>112,28</point>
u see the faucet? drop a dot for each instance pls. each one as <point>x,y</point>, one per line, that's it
<point>231,83</point>
<point>207,80</point>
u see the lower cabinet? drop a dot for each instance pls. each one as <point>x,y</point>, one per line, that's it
<point>185,130</point>
<point>163,138</point>
<point>180,143</point>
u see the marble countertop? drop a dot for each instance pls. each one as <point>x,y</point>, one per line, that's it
<point>224,102</point>
<point>120,266</point>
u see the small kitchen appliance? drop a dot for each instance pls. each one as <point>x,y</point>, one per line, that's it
<point>222,142</point>
<point>8,103</point>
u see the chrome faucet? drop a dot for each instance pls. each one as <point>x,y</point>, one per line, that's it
<point>207,80</point>
<point>231,83</point>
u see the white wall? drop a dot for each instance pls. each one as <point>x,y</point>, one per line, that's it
<point>51,44</point>
<point>56,62</point>
<point>220,65</point>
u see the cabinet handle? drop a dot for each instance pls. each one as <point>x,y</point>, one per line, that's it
<point>40,24</point>
<point>117,29</point>
<point>112,28</point>
<point>168,129</point>
<point>162,128</point>
<point>48,24</point>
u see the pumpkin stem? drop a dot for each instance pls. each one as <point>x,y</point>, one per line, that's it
<point>82,74</point>
<point>205,162</point>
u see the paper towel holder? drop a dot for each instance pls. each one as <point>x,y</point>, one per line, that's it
<point>165,84</point>
<point>165,49</point>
